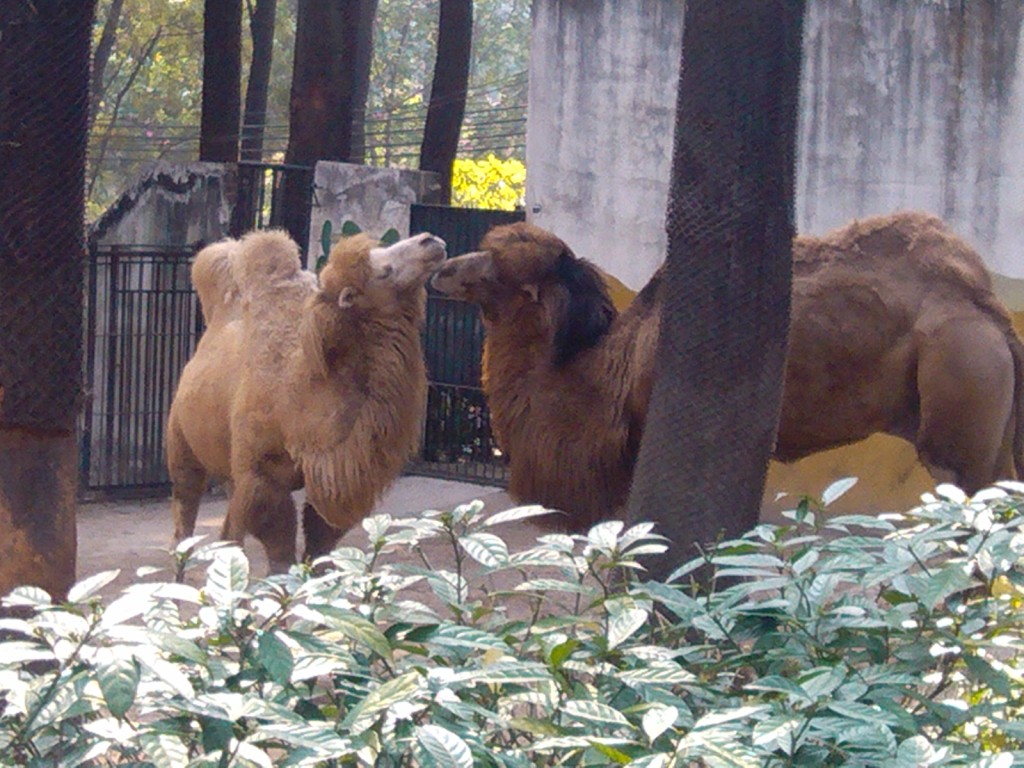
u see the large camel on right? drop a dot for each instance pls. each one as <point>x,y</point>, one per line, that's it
<point>894,328</point>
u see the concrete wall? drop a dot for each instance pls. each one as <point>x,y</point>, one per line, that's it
<point>375,199</point>
<point>916,105</point>
<point>599,128</point>
<point>171,205</point>
<point>902,105</point>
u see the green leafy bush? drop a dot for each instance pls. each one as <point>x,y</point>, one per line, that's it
<point>843,641</point>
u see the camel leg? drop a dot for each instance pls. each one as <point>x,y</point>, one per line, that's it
<point>965,380</point>
<point>188,483</point>
<point>267,511</point>
<point>321,537</point>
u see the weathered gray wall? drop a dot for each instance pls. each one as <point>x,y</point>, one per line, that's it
<point>599,127</point>
<point>171,205</point>
<point>375,199</point>
<point>903,105</point>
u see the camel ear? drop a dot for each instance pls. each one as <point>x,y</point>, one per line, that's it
<point>346,298</point>
<point>314,332</point>
<point>587,311</point>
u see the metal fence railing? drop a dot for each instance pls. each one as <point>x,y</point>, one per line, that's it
<point>457,439</point>
<point>142,322</point>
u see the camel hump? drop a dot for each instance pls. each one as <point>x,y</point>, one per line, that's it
<point>265,258</point>
<point>213,279</point>
<point>903,243</point>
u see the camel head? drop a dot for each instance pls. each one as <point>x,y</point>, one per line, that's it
<point>362,273</point>
<point>364,280</point>
<point>522,271</point>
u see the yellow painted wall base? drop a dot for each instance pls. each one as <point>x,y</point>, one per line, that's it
<point>889,478</point>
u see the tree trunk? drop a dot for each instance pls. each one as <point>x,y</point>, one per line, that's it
<point>361,41</point>
<point>261,26</point>
<point>222,81</point>
<point>448,91</point>
<point>717,395</point>
<point>101,56</point>
<point>333,47</point>
<point>44,113</point>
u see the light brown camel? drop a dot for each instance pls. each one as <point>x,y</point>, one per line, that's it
<point>894,329</point>
<point>296,385</point>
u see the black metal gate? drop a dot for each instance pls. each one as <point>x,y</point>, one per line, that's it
<point>457,440</point>
<point>142,322</point>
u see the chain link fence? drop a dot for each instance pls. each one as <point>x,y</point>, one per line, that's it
<point>44,66</point>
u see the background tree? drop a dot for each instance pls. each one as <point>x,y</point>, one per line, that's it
<point>330,79</point>
<point>222,81</point>
<point>44,113</point>
<point>718,389</point>
<point>149,102</point>
<point>101,55</point>
<point>262,15</point>
<point>448,91</point>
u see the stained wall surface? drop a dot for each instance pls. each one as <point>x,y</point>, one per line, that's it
<point>903,105</point>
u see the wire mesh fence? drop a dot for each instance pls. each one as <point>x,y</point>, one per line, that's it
<point>43,114</point>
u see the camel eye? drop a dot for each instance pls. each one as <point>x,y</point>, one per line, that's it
<point>385,272</point>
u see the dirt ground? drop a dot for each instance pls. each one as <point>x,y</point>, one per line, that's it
<point>128,535</point>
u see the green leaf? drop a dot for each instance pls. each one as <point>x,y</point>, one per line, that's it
<point>390,237</point>
<point>227,578</point>
<point>503,673</point>
<point>402,688</point>
<point>837,489</point>
<point>164,750</point>
<point>517,513</point>
<point>622,625</point>
<point>594,711</point>
<point>562,651</point>
<point>657,720</point>
<point>605,535</point>
<point>446,748</point>
<point>612,753</point>
<point>932,589</point>
<point>858,711</point>
<point>780,684</point>
<point>914,753</point>
<point>275,657</point>
<point>752,560</point>
<point>776,732</point>
<point>982,671</point>
<point>27,597</point>
<point>350,624</point>
<point>658,673</point>
<point>486,548</point>
<point>727,716</point>
<point>349,228</point>
<point>250,753</point>
<point>325,238</point>
<point>316,734</point>
<point>119,681</point>
<point>86,588</point>
<point>217,733</point>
